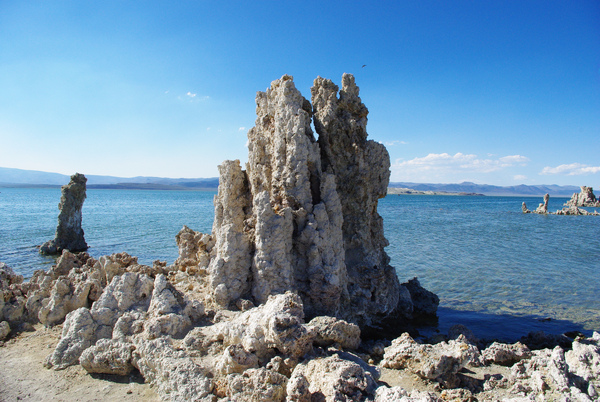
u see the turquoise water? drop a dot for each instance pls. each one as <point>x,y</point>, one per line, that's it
<point>499,271</point>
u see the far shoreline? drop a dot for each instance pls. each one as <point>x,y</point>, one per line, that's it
<point>167,187</point>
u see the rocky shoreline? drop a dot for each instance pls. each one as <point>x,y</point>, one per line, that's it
<point>291,297</point>
<point>149,320</point>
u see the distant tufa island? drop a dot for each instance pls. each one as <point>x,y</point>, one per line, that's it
<point>30,178</point>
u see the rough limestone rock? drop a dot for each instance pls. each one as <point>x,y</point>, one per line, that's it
<point>166,313</point>
<point>330,330</point>
<point>4,330</point>
<point>64,298</point>
<point>547,370</point>
<point>78,334</point>
<point>236,359</point>
<point>303,215</point>
<point>543,207</point>
<point>435,362</point>
<point>584,364</point>
<point>12,297</point>
<point>399,394</point>
<point>230,269</point>
<point>108,356</point>
<point>585,198</point>
<point>330,379</point>
<point>504,354</point>
<point>424,302</point>
<point>572,210</point>
<point>69,234</point>
<point>126,293</point>
<point>194,248</point>
<point>256,384</point>
<point>571,207</point>
<point>175,376</point>
<point>276,326</point>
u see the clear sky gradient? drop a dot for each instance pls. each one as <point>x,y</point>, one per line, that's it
<point>496,92</point>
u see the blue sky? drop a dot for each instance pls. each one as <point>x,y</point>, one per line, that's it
<point>496,92</point>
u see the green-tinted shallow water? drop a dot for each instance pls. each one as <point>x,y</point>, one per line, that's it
<point>501,272</point>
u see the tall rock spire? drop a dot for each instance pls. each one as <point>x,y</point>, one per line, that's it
<point>69,234</point>
<point>303,215</point>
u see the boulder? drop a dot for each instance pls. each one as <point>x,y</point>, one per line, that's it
<point>108,356</point>
<point>330,330</point>
<point>78,334</point>
<point>584,364</point>
<point>129,292</point>
<point>399,394</point>
<point>166,313</point>
<point>330,379</point>
<point>4,330</point>
<point>274,327</point>
<point>12,300</point>
<point>69,233</point>
<point>424,302</point>
<point>236,359</point>
<point>434,362</point>
<point>256,384</point>
<point>504,354</point>
<point>65,297</point>
<point>174,375</point>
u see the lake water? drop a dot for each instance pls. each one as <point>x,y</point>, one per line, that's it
<point>498,271</point>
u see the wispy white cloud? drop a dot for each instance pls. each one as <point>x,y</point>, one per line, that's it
<point>572,169</point>
<point>242,129</point>
<point>519,177</point>
<point>462,161</point>
<point>192,97</point>
<point>511,160</point>
<point>459,162</point>
<point>394,142</point>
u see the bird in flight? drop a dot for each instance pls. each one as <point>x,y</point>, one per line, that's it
<point>364,65</point>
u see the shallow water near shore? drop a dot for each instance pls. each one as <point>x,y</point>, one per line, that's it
<point>498,271</point>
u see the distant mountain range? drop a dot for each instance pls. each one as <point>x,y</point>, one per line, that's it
<point>487,189</point>
<point>31,178</point>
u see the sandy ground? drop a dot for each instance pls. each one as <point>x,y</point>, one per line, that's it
<point>24,378</point>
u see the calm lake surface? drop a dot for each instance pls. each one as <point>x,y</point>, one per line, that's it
<point>498,271</point>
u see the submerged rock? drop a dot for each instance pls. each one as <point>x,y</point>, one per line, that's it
<point>69,234</point>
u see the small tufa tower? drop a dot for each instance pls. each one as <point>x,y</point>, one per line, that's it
<point>69,234</point>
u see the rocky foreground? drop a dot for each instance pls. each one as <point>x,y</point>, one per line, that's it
<point>291,297</point>
<point>121,318</point>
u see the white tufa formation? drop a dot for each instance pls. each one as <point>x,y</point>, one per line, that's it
<point>303,215</point>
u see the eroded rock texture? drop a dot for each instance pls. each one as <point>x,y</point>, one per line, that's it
<point>69,234</point>
<point>585,198</point>
<point>303,215</point>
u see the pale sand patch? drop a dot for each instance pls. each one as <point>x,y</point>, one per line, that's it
<point>24,378</point>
